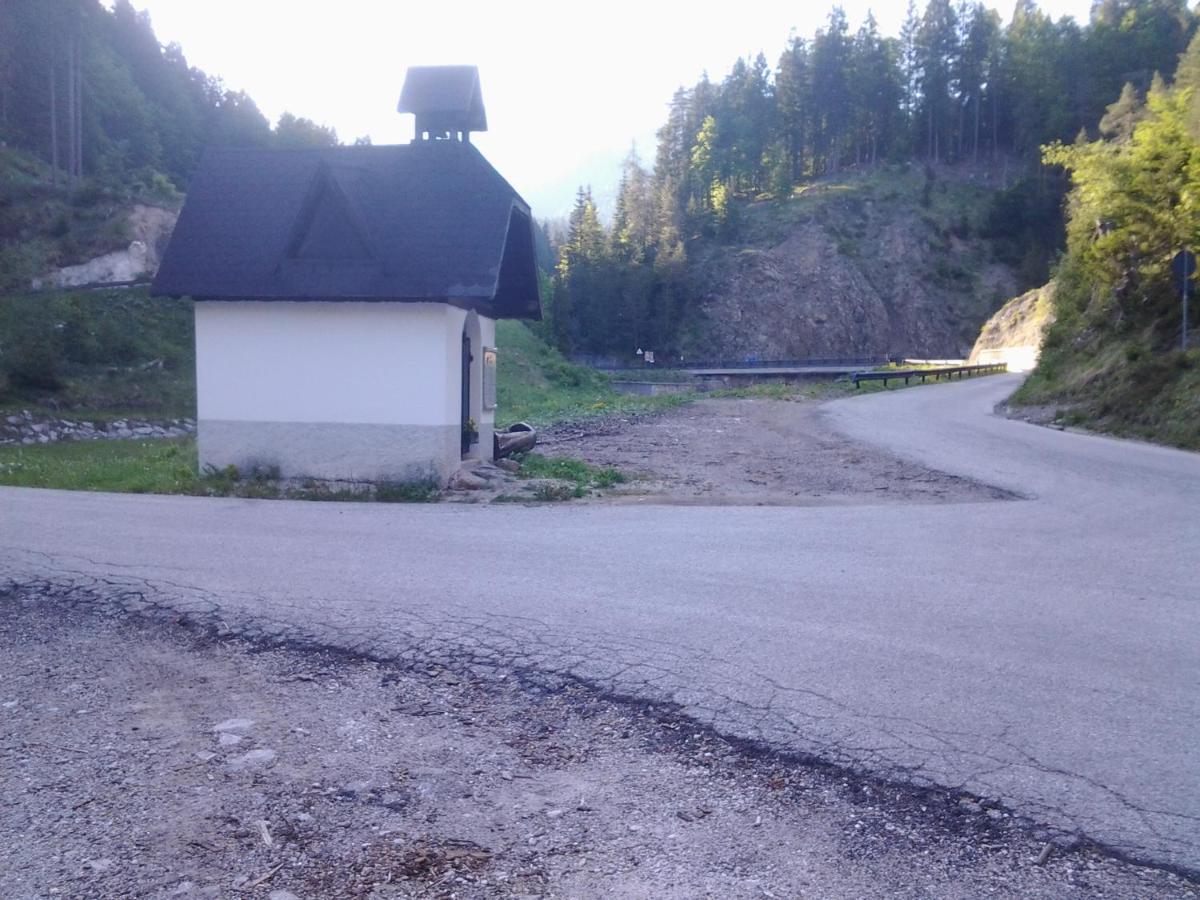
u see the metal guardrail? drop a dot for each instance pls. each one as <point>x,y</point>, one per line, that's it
<point>690,364</point>
<point>923,374</point>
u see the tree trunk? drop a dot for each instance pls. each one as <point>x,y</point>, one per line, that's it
<point>995,127</point>
<point>71,113</point>
<point>78,109</point>
<point>958,137</point>
<point>975,139</point>
<point>53,123</point>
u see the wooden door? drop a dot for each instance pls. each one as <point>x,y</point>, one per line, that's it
<point>466,393</point>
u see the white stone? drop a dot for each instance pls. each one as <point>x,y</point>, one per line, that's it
<point>263,756</point>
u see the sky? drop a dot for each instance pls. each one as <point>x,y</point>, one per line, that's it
<point>569,88</point>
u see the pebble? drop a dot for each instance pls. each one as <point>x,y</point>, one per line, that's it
<point>227,739</point>
<point>282,895</point>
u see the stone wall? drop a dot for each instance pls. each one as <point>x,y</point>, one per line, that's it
<point>27,427</point>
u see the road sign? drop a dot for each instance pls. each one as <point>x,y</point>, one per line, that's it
<point>1183,268</point>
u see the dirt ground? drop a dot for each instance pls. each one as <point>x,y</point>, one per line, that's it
<point>751,451</point>
<point>145,758</point>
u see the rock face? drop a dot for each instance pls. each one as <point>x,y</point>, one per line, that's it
<point>1015,333</point>
<point>151,227</point>
<point>858,268</point>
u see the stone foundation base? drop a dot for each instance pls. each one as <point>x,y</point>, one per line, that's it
<point>332,451</point>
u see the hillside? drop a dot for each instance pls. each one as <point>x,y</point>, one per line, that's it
<point>1114,358</point>
<point>892,262</point>
<point>97,351</point>
<point>45,225</point>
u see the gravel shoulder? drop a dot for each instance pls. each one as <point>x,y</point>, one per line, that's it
<point>146,758</point>
<point>752,451</point>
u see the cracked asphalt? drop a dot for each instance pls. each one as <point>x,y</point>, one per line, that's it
<point>1041,653</point>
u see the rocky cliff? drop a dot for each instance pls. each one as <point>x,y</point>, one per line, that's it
<point>886,263</point>
<point>1015,333</point>
<point>149,227</point>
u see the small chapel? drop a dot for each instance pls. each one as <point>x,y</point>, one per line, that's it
<point>346,298</point>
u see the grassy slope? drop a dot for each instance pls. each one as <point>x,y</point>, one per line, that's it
<point>538,385</point>
<point>1110,383</point>
<point>100,354</point>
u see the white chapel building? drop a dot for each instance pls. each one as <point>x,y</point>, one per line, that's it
<point>346,298</point>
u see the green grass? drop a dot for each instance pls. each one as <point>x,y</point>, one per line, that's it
<point>139,467</point>
<point>1117,387</point>
<point>583,476</point>
<point>170,467</point>
<point>536,384</point>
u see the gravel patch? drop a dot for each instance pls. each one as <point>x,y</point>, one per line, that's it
<point>752,451</point>
<point>145,758</point>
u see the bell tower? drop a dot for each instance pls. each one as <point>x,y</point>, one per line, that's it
<point>446,100</point>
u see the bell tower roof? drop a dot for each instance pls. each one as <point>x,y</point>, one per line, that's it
<point>446,100</point>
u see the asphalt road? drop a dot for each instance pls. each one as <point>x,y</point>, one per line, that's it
<point>1043,651</point>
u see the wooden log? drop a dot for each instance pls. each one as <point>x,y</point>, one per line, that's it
<point>518,438</point>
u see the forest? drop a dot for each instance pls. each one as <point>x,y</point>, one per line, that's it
<point>91,92</point>
<point>956,87</point>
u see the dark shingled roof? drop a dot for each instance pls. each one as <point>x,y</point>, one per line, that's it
<point>431,220</point>
<point>444,98</point>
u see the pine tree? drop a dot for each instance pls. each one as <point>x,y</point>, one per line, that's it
<point>909,64</point>
<point>1122,116</point>
<point>793,98</point>
<point>937,52</point>
<point>831,92</point>
<point>875,92</point>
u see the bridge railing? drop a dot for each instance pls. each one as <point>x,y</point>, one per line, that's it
<point>690,364</point>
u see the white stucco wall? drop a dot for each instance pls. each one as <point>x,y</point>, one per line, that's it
<point>353,391</point>
<point>378,363</point>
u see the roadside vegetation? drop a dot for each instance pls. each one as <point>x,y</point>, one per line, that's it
<point>170,467</point>
<point>1113,359</point>
<point>538,385</point>
<point>579,477</point>
<point>98,354</point>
